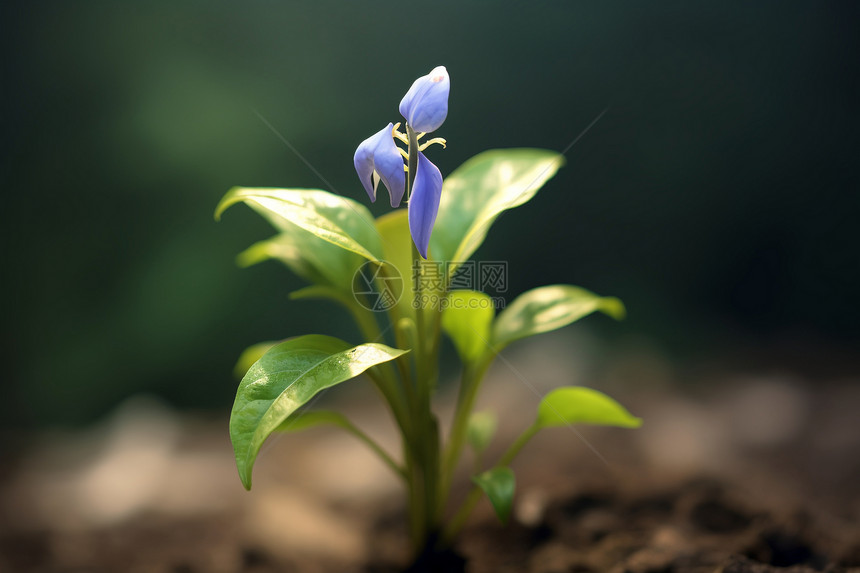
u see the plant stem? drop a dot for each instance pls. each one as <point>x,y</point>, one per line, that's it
<point>371,443</point>
<point>402,361</point>
<point>459,520</point>
<point>473,373</point>
<point>382,375</point>
<point>518,444</point>
<point>423,470</point>
<point>426,437</point>
<point>387,386</point>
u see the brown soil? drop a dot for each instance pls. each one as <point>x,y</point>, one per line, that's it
<point>749,475</point>
<point>692,529</point>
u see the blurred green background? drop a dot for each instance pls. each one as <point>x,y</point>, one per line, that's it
<point>718,196</point>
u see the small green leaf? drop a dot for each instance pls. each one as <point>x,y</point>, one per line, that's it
<point>499,485</point>
<point>577,405</point>
<point>479,432</point>
<point>332,218</point>
<point>476,193</point>
<point>251,355</point>
<point>287,377</point>
<point>467,319</point>
<point>548,308</point>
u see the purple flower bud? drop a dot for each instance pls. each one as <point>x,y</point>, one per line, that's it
<point>424,203</point>
<point>378,158</point>
<point>425,105</point>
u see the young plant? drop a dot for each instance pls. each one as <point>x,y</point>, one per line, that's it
<point>396,276</point>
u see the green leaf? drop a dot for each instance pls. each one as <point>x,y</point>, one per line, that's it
<point>577,405</point>
<point>548,308</point>
<point>322,292</point>
<point>306,255</point>
<point>334,219</point>
<point>467,319</point>
<point>287,377</point>
<point>251,355</point>
<point>499,485</point>
<point>480,430</point>
<point>309,419</point>
<point>476,193</point>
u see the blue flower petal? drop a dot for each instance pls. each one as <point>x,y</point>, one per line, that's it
<point>389,166</point>
<point>424,203</point>
<point>425,105</point>
<point>377,158</point>
<point>363,161</point>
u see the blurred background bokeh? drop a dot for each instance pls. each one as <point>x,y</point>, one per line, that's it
<point>717,196</point>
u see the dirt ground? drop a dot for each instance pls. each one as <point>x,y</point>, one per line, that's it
<point>757,471</point>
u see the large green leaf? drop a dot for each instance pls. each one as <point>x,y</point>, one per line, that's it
<point>467,319</point>
<point>547,308</point>
<point>476,193</point>
<point>577,405</point>
<point>499,484</point>
<point>284,379</point>
<point>334,222</point>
